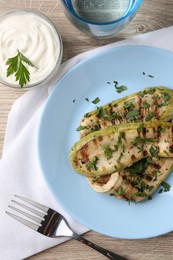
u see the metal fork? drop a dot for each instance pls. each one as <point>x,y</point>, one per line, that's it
<point>52,224</point>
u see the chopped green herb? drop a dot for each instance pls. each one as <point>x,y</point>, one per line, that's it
<point>119,142</point>
<point>120,136</point>
<point>139,139</point>
<point>116,147</point>
<point>141,194</point>
<point>101,111</point>
<point>96,128</point>
<point>161,129</point>
<point>150,76</point>
<point>74,100</point>
<point>87,99</point>
<point>136,140</point>
<point>154,173</point>
<point>132,114</point>
<point>155,99</point>
<point>123,148</point>
<point>91,165</point>
<point>153,151</point>
<point>120,88</point>
<point>166,186</point>
<point>150,187</point>
<point>137,168</point>
<point>141,186</point>
<point>95,179</point>
<point>96,100</point>
<point>111,117</point>
<point>81,127</point>
<point>120,157</point>
<point>145,105</point>
<point>120,190</point>
<point>87,115</point>
<point>140,128</point>
<point>115,82</point>
<point>107,151</point>
<point>150,91</point>
<point>160,191</point>
<point>143,73</point>
<point>129,104</point>
<point>149,116</point>
<point>166,97</point>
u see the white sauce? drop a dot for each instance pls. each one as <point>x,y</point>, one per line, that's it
<point>34,37</point>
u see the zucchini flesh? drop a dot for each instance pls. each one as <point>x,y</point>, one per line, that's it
<point>147,105</point>
<point>135,183</point>
<point>127,143</point>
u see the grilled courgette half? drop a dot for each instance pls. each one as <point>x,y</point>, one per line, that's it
<point>112,149</point>
<point>150,104</point>
<point>135,183</point>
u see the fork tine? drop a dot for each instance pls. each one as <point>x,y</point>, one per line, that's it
<point>33,203</point>
<point>38,220</point>
<point>38,213</point>
<point>23,221</point>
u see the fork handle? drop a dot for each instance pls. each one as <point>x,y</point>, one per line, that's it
<point>100,249</point>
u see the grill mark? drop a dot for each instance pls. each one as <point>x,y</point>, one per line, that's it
<point>103,179</point>
<point>95,142</point>
<point>148,178</point>
<point>154,131</point>
<point>156,166</point>
<point>171,146</point>
<point>84,153</point>
<point>133,183</point>
<point>76,161</point>
<point>141,110</point>
<point>145,153</point>
<point>125,196</point>
<point>104,124</point>
<point>133,157</point>
<point>156,112</point>
<point>118,121</point>
<point>158,149</point>
<point>139,101</point>
<point>144,131</point>
<point>111,110</point>
<point>99,124</point>
<point>129,191</point>
<point>158,133</point>
<point>124,135</point>
<point>100,138</point>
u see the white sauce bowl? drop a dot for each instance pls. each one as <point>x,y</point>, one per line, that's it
<point>36,37</point>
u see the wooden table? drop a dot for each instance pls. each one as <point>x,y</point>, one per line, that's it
<point>152,15</point>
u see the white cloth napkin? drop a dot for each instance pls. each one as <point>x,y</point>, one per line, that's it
<point>19,169</point>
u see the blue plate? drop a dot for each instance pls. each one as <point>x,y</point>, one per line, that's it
<point>130,66</point>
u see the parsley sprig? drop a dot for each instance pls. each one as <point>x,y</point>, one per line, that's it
<point>17,67</point>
